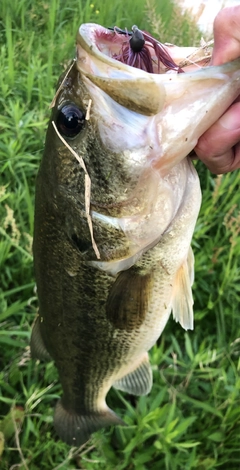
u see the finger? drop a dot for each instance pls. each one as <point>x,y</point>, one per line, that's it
<point>224,163</point>
<point>215,146</point>
<point>226,35</point>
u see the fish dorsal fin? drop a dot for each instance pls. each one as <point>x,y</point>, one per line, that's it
<point>139,381</point>
<point>37,346</point>
<point>182,304</point>
<point>128,298</point>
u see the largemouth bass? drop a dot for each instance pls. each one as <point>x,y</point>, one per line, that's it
<point>117,200</point>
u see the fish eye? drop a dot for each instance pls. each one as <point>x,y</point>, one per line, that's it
<point>70,120</point>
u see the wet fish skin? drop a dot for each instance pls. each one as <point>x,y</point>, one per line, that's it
<point>98,318</point>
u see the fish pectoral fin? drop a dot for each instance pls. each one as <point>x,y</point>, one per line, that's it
<point>37,346</point>
<point>182,304</point>
<point>137,382</point>
<point>75,429</point>
<point>128,298</point>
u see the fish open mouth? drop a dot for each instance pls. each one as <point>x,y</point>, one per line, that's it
<point>135,48</point>
<point>130,65</point>
<point>139,49</point>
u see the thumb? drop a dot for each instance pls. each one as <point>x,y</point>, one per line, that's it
<point>226,29</point>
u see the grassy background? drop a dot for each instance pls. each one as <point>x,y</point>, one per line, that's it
<point>191,419</point>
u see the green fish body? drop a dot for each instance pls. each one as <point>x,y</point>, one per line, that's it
<point>101,309</point>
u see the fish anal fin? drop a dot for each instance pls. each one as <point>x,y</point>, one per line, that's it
<point>75,429</point>
<point>182,304</point>
<point>37,346</point>
<point>137,382</point>
<point>127,302</point>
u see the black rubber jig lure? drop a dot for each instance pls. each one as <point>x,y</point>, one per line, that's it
<point>142,51</point>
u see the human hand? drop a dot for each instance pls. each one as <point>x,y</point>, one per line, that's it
<point>219,146</point>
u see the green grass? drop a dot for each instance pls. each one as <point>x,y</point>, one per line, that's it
<point>191,419</point>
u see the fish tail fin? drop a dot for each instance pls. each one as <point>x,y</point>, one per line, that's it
<point>75,429</point>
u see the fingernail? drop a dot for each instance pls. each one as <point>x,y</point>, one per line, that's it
<point>229,121</point>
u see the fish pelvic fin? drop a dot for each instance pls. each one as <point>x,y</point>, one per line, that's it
<point>139,381</point>
<point>75,429</point>
<point>182,304</point>
<point>128,298</point>
<point>37,346</point>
